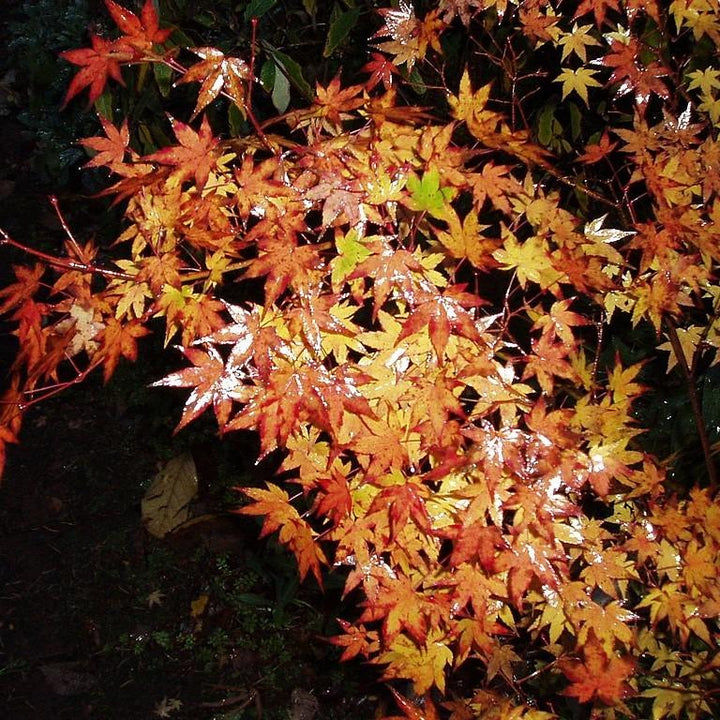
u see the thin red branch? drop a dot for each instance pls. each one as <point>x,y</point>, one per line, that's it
<point>63,263</point>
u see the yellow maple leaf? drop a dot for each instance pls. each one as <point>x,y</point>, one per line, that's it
<point>578,80</point>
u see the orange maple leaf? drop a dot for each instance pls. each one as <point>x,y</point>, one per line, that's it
<point>217,73</point>
<point>196,154</point>
<point>274,505</point>
<point>119,339</point>
<point>110,150</point>
<point>28,283</point>
<point>211,385</point>
<point>599,676</point>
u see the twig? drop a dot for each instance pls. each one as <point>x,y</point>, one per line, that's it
<point>63,263</point>
<point>73,242</point>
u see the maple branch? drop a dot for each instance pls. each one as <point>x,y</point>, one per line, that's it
<point>248,102</point>
<point>73,242</point>
<point>694,401</point>
<point>61,263</point>
<point>42,394</point>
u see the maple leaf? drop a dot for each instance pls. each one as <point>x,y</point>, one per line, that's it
<point>356,640</point>
<point>704,80</point>
<point>312,393</point>
<point>410,36</point>
<point>530,260</point>
<point>217,73</point>
<point>97,64</point>
<point>402,608</point>
<point>577,41</point>
<point>529,557</point>
<point>402,503</point>
<point>631,75</point>
<point>597,151</point>
<point>334,499</point>
<point>466,241</point>
<point>167,706</point>
<point>323,330</point>
<point>352,250</point>
<point>28,283</point>
<point>474,541</point>
<point>139,32</point>
<point>212,385</point>
<point>390,268</point>
<point>110,150</point>
<point>334,102</point>
<point>196,155</point>
<point>578,81</point>
<point>599,676</point>
<point>466,9</point>
<point>609,624</point>
<point>119,340</point>
<point>156,597</point>
<point>426,195</point>
<point>414,711</point>
<point>381,71</point>
<point>434,405</point>
<point>599,9</point>
<point>496,184</point>
<point>560,321</point>
<point>286,266</point>
<point>443,314</point>
<point>424,665</point>
<point>274,506</point>
<point>12,403</point>
<point>470,107</point>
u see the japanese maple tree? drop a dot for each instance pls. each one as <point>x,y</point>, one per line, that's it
<point>425,336</point>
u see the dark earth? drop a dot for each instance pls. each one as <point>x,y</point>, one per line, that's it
<point>98,619</point>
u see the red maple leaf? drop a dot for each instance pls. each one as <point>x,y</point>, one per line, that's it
<point>97,64</point>
<point>139,32</point>
<point>404,502</point>
<point>597,151</point>
<point>599,9</point>
<point>477,542</point>
<point>334,500</point>
<point>441,314</point>
<point>381,70</point>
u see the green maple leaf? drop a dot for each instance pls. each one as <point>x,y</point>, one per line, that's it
<point>426,195</point>
<point>353,250</point>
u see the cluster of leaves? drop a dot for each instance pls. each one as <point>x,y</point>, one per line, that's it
<point>411,308</point>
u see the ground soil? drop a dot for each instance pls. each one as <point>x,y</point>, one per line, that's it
<point>100,620</point>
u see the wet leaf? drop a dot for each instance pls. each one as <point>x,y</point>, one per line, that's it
<point>166,503</point>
